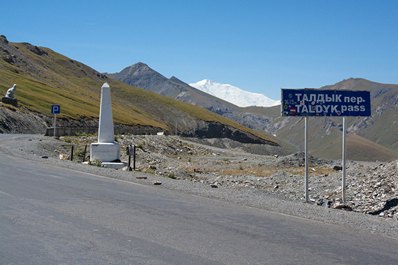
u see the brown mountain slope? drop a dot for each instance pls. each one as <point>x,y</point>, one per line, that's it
<point>357,148</point>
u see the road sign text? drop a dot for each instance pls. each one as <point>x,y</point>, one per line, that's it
<point>315,102</point>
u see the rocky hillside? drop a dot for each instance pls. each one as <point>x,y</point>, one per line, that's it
<point>13,120</point>
<point>44,77</point>
<point>141,75</point>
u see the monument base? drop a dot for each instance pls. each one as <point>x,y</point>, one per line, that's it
<point>114,165</point>
<point>105,152</point>
<point>11,101</point>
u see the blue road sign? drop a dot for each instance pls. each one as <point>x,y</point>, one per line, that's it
<point>316,102</point>
<point>55,109</point>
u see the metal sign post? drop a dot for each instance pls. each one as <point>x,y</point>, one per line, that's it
<point>320,103</point>
<point>306,159</point>
<point>55,109</point>
<point>55,125</point>
<point>343,157</point>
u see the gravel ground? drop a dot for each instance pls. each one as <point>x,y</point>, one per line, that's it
<point>232,174</point>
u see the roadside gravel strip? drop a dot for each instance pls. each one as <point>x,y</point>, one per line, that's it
<point>30,147</point>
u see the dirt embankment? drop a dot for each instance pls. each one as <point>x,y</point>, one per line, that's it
<point>15,120</point>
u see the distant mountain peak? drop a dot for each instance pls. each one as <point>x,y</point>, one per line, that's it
<point>140,65</point>
<point>233,94</point>
<point>134,70</point>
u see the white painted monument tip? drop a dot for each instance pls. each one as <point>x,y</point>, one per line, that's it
<point>105,85</point>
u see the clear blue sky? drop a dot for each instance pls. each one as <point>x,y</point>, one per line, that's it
<point>260,46</point>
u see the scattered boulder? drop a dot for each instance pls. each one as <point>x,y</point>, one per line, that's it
<point>64,157</point>
<point>342,206</point>
<point>36,50</point>
<point>387,206</point>
<point>324,202</point>
<point>337,168</point>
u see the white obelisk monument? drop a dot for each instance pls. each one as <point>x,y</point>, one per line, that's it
<point>106,150</point>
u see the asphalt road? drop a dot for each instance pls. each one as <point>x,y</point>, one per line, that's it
<point>52,215</point>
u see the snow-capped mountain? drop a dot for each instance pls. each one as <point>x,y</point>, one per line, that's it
<point>234,95</point>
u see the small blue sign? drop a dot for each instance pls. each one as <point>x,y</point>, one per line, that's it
<point>317,102</point>
<point>55,109</point>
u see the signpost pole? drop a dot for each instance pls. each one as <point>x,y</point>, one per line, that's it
<point>343,159</point>
<point>55,125</point>
<point>306,159</point>
<point>134,156</point>
<point>129,149</point>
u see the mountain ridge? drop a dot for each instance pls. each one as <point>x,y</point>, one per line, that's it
<point>143,76</point>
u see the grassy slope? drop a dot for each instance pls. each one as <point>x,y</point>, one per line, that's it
<point>65,82</point>
<point>76,87</point>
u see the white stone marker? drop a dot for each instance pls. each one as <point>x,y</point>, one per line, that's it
<point>106,150</point>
